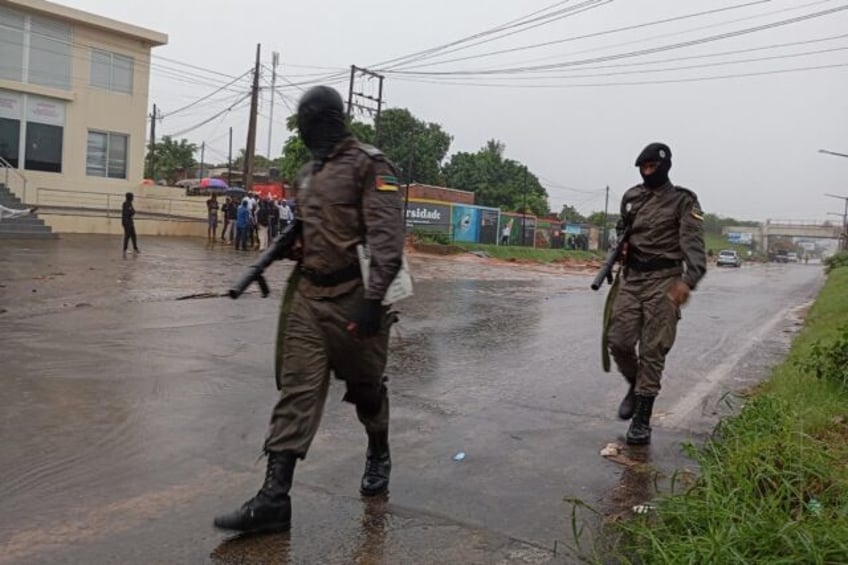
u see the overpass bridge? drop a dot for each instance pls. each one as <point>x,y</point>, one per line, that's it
<point>801,228</point>
<point>808,229</point>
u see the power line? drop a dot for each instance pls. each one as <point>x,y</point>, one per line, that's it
<point>672,69</point>
<point>638,53</point>
<point>166,72</point>
<point>547,19</point>
<point>702,56</point>
<point>206,97</point>
<point>192,66</point>
<point>679,33</point>
<point>586,36</point>
<point>633,83</point>
<point>207,120</point>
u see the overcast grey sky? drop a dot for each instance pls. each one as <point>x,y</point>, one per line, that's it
<point>747,145</point>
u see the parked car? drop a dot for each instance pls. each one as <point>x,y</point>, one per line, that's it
<point>792,257</point>
<point>728,258</point>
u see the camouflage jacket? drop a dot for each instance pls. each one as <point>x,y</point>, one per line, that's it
<point>352,199</point>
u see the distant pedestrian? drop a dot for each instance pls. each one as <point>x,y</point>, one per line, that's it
<point>286,214</point>
<point>128,223</point>
<point>273,219</point>
<point>231,215</point>
<point>505,235</point>
<point>263,214</point>
<point>242,225</point>
<point>212,209</point>
<point>225,215</point>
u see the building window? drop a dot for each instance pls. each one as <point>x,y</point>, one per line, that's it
<point>10,137</point>
<point>31,131</point>
<point>12,41</point>
<point>49,54</point>
<point>35,50</point>
<point>43,148</point>
<point>107,155</point>
<point>111,71</point>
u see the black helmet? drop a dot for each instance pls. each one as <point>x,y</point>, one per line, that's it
<point>321,121</point>
<point>658,152</point>
<point>319,100</point>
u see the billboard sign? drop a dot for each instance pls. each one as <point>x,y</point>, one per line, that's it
<point>741,238</point>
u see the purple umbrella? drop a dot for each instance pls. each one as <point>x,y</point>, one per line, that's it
<point>213,183</point>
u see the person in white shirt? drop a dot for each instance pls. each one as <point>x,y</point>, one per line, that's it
<point>286,215</point>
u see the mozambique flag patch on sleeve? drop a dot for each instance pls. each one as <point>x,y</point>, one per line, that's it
<point>387,183</point>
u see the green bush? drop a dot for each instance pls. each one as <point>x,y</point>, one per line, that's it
<point>430,237</point>
<point>829,359</point>
<point>836,261</point>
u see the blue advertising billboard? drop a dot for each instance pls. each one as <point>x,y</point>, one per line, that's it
<point>466,223</point>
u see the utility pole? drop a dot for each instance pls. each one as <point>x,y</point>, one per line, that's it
<point>275,59</point>
<point>230,160</point>
<point>151,162</point>
<point>352,95</point>
<point>844,235</point>
<point>524,206</point>
<point>844,238</point>
<point>251,126</point>
<point>605,242</point>
<point>202,156</point>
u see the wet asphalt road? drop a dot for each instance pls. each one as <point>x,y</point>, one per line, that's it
<point>128,418</point>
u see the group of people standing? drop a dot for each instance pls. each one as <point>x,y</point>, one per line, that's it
<point>252,221</point>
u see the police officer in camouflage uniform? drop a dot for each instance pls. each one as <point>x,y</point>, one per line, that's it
<point>347,195</point>
<point>663,261</point>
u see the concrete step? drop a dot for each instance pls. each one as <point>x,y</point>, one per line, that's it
<point>25,227</point>
<point>28,235</point>
<point>12,227</point>
<point>29,220</point>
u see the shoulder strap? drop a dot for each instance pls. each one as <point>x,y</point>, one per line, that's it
<point>369,150</point>
<point>687,191</point>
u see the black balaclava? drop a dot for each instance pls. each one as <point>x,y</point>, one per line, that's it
<point>321,121</point>
<point>129,196</point>
<point>660,153</point>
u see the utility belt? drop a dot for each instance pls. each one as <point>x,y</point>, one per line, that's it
<point>656,264</point>
<point>333,278</point>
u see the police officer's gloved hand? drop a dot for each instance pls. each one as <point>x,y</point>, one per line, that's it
<point>366,320</point>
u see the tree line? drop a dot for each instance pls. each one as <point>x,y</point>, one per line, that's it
<point>419,150</point>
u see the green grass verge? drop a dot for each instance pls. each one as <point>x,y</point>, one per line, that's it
<point>773,486</point>
<point>516,253</point>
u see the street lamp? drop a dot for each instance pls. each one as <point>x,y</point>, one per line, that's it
<point>844,198</point>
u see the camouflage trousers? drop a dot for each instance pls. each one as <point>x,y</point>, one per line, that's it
<point>643,316</point>
<point>316,342</point>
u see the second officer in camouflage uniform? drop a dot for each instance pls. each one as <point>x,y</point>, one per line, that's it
<point>664,260</point>
<point>347,195</point>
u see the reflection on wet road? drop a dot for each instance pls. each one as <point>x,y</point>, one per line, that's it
<point>129,418</point>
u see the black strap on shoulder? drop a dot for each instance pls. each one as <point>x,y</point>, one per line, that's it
<point>370,150</point>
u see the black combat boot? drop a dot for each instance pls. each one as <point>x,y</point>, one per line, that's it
<point>270,510</point>
<point>640,427</point>
<point>625,409</point>
<point>378,465</point>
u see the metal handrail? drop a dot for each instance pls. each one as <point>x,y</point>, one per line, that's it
<point>7,166</point>
<point>111,203</point>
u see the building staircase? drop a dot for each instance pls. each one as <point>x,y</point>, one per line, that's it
<point>25,227</point>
